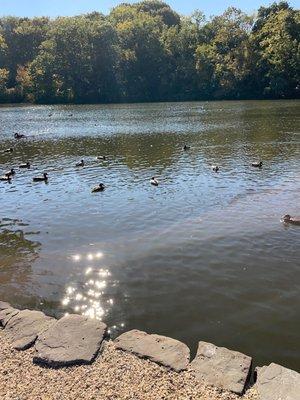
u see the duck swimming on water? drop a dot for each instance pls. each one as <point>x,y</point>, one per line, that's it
<point>43,178</point>
<point>287,219</point>
<point>5,178</point>
<point>154,181</point>
<point>257,164</point>
<point>11,172</point>
<point>25,165</point>
<point>215,168</point>
<point>186,147</point>
<point>98,188</point>
<point>80,164</point>
<point>19,136</point>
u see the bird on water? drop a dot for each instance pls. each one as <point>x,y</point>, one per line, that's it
<point>19,136</point>
<point>5,178</point>
<point>43,178</point>
<point>257,164</point>
<point>25,165</point>
<point>288,219</point>
<point>154,181</point>
<point>215,168</point>
<point>80,164</point>
<point>98,188</point>
<point>11,172</point>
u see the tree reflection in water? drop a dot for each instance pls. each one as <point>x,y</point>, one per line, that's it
<point>17,254</point>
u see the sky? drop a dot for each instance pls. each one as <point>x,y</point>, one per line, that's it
<point>53,8</point>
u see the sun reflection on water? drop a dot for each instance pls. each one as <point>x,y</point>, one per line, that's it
<point>90,298</point>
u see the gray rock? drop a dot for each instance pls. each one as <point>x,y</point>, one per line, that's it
<point>220,367</point>
<point>7,314</point>
<point>276,382</point>
<point>4,305</point>
<point>163,350</point>
<point>23,328</point>
<point>74,339</point>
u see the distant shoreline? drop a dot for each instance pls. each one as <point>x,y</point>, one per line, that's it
<point>147,52</point>
<point>24,103</point>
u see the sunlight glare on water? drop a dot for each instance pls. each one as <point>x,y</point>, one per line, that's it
<point>88,300</point>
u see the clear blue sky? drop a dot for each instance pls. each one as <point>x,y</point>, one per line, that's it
<point>73,7</point>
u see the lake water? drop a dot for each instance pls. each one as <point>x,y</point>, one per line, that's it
<point>203,256</point>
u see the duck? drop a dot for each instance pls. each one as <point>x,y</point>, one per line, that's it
<point>186,147</point>
<point>80,164</point>
<point>154,181</point>
<point>43,178</point>
<point>19,136</point>
<point>215,168</point>
<point>257,164</point>
<point>10,150</point>
<point>98,188</point>
<point>25,165</point>
<point>5,178</point>
<point>101,158</point>
<point>11,172</point>
<point>287,219</point>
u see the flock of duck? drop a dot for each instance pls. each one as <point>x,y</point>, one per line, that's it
<point>8,175</point>
<point>288,219</point>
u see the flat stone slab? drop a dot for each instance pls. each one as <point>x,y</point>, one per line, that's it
<point>163,350</point>
<point>23,328</point>
<point>4,305</point>
<point>276,382</point>
<point>220,367</point>
<point>6,314</point>
<point>74,339</point>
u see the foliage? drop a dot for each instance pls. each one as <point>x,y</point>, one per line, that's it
<point>223,60</point>
<point>276,40</point>
<point>146,52</point>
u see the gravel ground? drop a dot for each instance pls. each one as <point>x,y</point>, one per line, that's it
<point>115,375</point>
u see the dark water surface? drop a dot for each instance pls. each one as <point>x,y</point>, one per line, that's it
<point>203,256</point>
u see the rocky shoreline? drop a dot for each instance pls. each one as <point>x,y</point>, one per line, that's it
<point>77,343</point>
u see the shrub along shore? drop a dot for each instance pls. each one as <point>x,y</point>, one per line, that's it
<point>45,358</point>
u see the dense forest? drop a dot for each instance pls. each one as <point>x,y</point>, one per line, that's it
<point>148,52</point>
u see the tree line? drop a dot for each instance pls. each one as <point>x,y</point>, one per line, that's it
<point>148,52</point>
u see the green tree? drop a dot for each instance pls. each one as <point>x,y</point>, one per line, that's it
<point>276,40</point>
<point>147,52</point>
<point>160,9</point>
<point>23,37</point>
<point>76,62</point>
<point>223,62</point>
<point>180,44</point>
<point>4,73</point>
<point>142,55</point>
<point>3,47</point>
